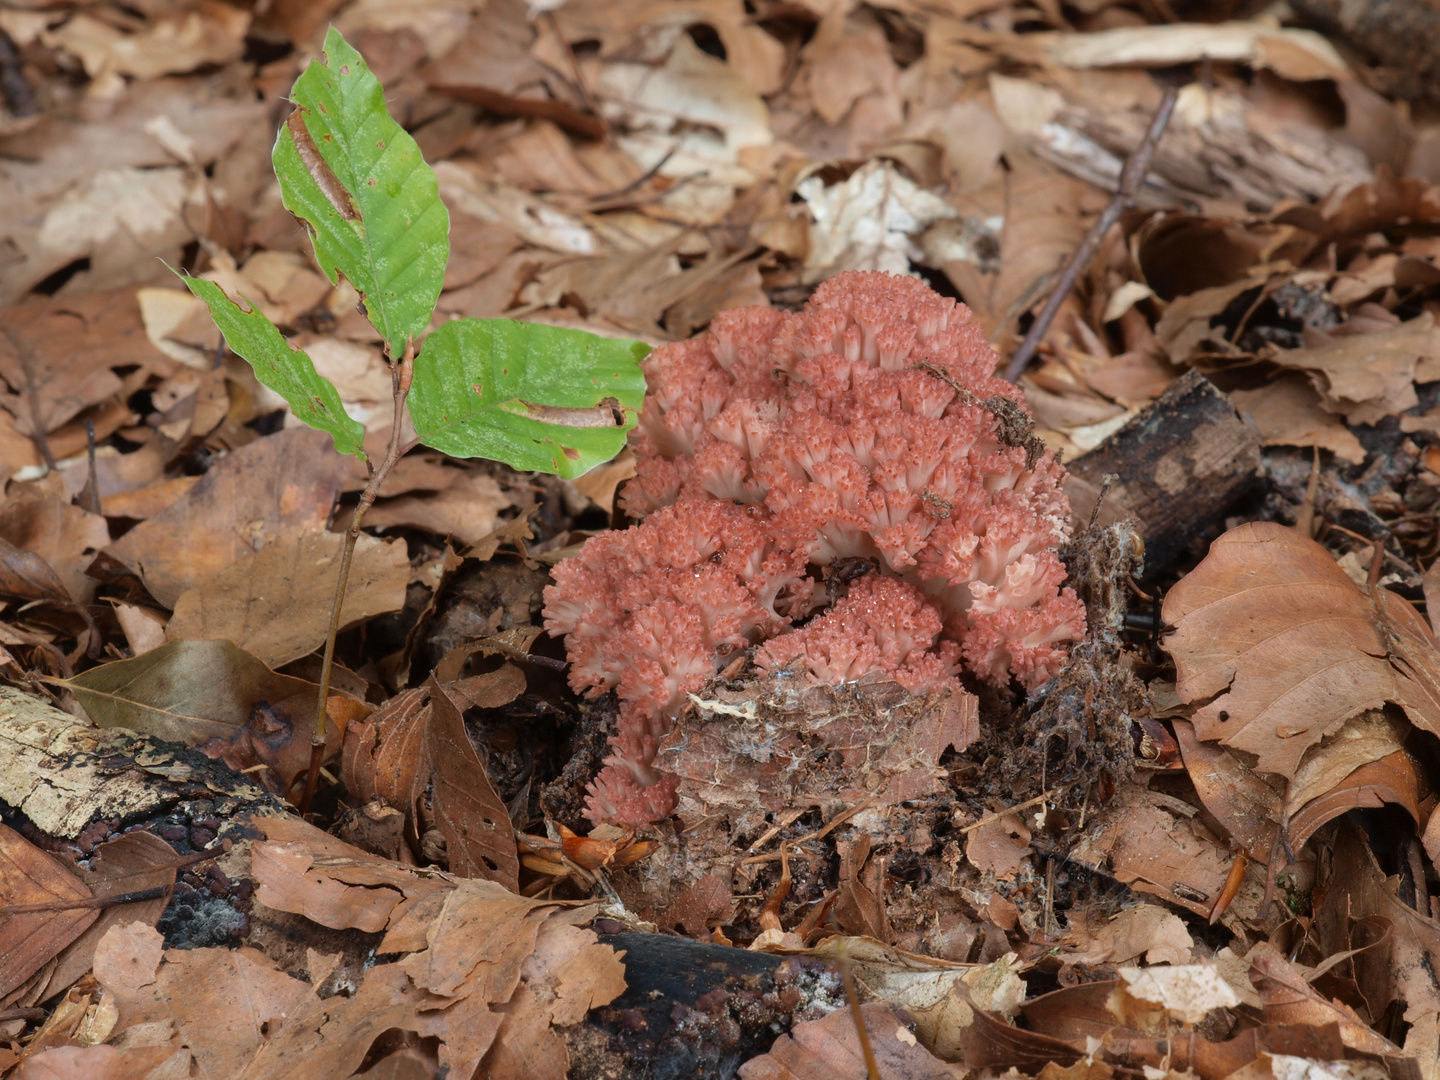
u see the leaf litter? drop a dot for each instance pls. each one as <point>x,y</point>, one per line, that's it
<point>1259,898</point>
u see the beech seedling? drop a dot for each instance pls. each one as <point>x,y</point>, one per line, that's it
<point>535,397</point>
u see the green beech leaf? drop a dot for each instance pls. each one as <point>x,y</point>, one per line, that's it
<point>281,366</point>
<point>536,397</point>
<point>357,179</point>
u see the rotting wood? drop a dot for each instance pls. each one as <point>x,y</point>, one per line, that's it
<point>694,1009</point>
<point>1179,465</point>
<point>69,787</point>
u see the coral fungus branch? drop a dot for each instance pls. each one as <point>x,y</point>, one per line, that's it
<point>776,450</point>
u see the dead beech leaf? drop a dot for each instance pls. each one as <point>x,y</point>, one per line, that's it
<point>829,1049</point>
<point>308,872</point>
<point>276,603</point>
<point>999,847</point>
<point>283,483</point>
<point>65,536</point>
<point>479,839</point>
<point>567,975</point>
<point>1288,999</point>
<point>1363,764</point>
<point>281,872</point>
<point>130,863</point>
<point>1288,412</point>
<point>57,355</point>
<point>1408,967</point>
<point>478,941</point>
<point>27,941</point>
<point>1368,377</point>
<point>1283,648</point>
<point>223,1002</point>
<point>215,696</point>
<point>26,576</point>
<point>382,756</point>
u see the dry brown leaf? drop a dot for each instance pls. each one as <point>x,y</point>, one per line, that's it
<point>1288,412</point>
<point>1363,764</point>
<point>829,1049</point>
<point>276,603</point>
<point>57,355</point>
<point>289,880</point>
<point>1368,377</point>
<point>127,957</point>
<point>999,847</point>
<point>182,41</point>
<point>1282,647</point>
<point>284,483</point>
<point>103,1063</point>
<point>479,839</point>
<point>1403,968</point>
<point>567,975</point>
<point>65,536</point>
<point>223,1002</point>
<point>26,576</point>
<point>147,502</point>
<point>27,941</point>
<point>131,863</point>
<point>383,754</point>
<point>1157,852</point>
<point>1146,930</point>
<point>478,942</point>
<point>466,510</point>
<point>1288,999</point>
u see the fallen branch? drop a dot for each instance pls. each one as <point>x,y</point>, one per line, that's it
<point>1131,178</point>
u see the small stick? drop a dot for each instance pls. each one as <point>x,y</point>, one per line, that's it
<point>91,489</point>
<point>153,893</point>
<point>1049,924</point>
<point>400,375</point>
<point>1131,178</point>
<point>1002,813</point>
<point>1280,845</point>
<point>872,1070</point>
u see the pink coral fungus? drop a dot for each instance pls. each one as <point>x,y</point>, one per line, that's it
<point>867,427</point>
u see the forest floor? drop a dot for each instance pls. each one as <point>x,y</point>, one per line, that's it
<point>1207,848</point>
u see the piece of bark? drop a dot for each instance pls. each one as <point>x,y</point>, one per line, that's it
<point>1404,35</point>
<point>693,1009</point>
<point>1179,465</point>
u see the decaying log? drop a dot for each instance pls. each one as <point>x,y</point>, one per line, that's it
<point>68,787</point>
<point>1404,35</point>
<point>693,1010</point>
<point>1179,465</point>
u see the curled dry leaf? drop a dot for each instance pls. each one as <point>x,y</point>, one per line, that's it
<point>215,696</point>
<point>27,941</point>
<point>829,1049</point>
<point>1279,647</point>
<point>417,740</point>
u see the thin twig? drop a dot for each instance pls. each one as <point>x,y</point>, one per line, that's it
<point>998,814</point>
<point>400,375</point>
<point>872,1070</point>
<point>91,491</point>
<point>1280,846</point>
<point>1131,178</point>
